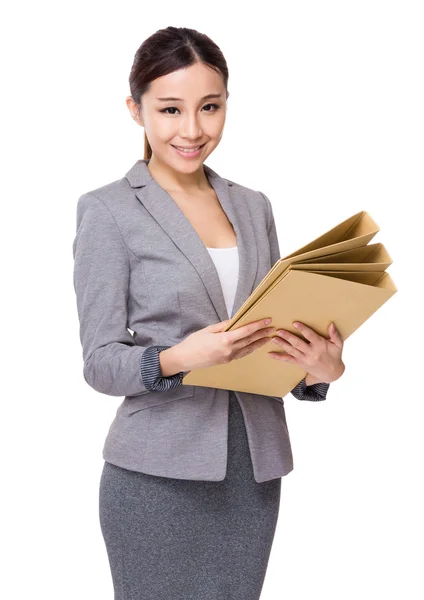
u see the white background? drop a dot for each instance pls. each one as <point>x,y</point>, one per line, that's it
<point>325,117</point>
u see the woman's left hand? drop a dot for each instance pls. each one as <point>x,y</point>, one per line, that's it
<point>319,356</point>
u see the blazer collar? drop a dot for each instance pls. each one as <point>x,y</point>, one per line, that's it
<point>170,217</point>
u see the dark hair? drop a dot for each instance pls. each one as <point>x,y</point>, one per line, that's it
<point>168,50</point>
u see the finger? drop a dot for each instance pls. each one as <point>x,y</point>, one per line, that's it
<point>251,348</point>
<point>261,334</point>
<point>308,332</point>
<point>292,339</point>
<point>283,357</point>
<point>214,327</point>
<point>244,330</point>
<point>288,347</point>
<point>335,336</point>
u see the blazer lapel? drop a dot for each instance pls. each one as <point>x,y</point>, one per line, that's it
<point>170,217</point>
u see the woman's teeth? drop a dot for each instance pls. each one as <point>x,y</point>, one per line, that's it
<point>187,149</point>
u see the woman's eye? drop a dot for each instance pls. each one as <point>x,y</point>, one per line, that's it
<point>169,108</point>
<point>216,106</point>
<point>164,110</point>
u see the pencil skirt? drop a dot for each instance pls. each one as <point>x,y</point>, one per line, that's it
<point>180,539</point>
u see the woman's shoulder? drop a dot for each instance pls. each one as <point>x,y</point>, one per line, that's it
<point>239,187</point>
<point>113,195</point>
<point>118,195</point>
<point>104,191</point>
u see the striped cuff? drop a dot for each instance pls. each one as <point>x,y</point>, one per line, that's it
<point>151,373</point>
<point>314,393</point>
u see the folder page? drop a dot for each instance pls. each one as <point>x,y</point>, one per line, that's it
<point>316,296</point>
<point>352,233</point>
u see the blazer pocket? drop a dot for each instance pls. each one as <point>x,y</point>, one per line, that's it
<point>138,403</point>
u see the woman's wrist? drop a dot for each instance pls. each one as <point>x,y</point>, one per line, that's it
<point>310,379</point>
<point>170,361</point>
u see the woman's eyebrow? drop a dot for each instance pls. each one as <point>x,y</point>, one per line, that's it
<point>173,99</point>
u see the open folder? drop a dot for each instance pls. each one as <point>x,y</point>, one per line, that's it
<point>336,278</point>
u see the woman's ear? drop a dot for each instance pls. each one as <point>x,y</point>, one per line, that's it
<point>134,109</point>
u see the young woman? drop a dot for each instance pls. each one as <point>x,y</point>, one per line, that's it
<point>190,487</point>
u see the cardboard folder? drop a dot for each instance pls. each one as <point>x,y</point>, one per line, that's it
<point>336,278</point>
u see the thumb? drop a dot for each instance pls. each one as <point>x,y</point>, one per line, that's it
<point>216,327</point>
<point>335,336</point>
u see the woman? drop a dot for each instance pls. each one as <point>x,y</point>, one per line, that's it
<point>190,487</point>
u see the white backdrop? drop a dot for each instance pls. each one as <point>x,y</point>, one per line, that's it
<point>327,103</point>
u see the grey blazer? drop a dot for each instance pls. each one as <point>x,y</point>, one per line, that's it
<point>144,281</point>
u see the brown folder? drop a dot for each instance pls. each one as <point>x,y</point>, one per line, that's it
<point>337,277</point>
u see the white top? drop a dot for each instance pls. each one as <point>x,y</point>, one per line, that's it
<point>226,261</point>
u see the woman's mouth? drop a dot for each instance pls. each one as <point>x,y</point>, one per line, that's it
<point>188,152</point>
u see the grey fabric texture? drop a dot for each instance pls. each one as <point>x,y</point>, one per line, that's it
<point>176,539</point>
<point>140,267</point>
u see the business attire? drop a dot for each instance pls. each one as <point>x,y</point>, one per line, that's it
<point>190,488</point>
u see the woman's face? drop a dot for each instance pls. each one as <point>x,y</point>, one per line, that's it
<point>190,119</point>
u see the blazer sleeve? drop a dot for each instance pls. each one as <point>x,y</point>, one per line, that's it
<point>317,391</point>
<point>113,363</point>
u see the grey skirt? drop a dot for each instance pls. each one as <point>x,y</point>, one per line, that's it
<point>180,539</point>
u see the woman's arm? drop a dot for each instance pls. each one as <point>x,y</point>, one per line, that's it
<point>113,363</point>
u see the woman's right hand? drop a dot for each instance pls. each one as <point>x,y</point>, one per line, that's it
<point>212,346</point>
